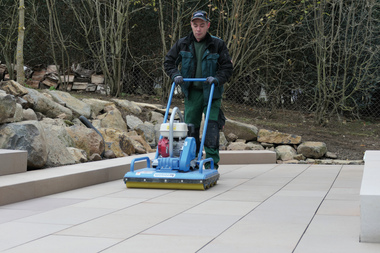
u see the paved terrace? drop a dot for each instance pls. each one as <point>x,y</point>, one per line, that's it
<point>253,208</point>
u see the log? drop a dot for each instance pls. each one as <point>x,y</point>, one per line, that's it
<point>97,79</point>
<point>79,86</point>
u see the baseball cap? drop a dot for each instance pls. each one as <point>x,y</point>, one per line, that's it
<point>200,14</point>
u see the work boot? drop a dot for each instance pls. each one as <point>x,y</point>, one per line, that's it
<point>208,166</point>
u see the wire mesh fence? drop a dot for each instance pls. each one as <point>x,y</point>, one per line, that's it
<point>256,99</point>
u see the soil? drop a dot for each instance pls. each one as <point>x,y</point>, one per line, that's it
<point>348,139</point>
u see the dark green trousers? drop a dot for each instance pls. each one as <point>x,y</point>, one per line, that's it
<point>194,108</point>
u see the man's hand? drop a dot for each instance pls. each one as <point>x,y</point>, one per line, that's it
<point>211,80</point>
<point>178,80</point>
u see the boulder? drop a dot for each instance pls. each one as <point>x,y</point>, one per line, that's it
<point>128,106</point>
<point>44,105</point>
<point>78,107</point>
<point>86,139</point>
<point>58,126</point>
<point>58,155</point>
<point>117,141</point>
<point>29,114</point>
<point>331,155</point>
<point>29,136</point>
<point>223,143</point>
<point>278,137</point>
<point>97,105</point>
<point>111,119</point>
<point>133,121</point>
<point>232,137</point>
<point>109,154</point>
<point>242,130</point>
<point>140,140</point>
<point>7,107</point>
<point>13,88</point>
<point>147,131</point>
<point>285,152</point>
<point>253,145</point>
<point>79,155</point>
<point>95,157</point>
<point>238,146</point>
<point>19,114</point>
<point>312,149</point>
<point>157,132</point>
<point>156,117</point>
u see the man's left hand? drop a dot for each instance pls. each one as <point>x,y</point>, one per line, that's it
<point>211,80</point>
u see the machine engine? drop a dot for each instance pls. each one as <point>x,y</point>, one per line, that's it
<point>163,147</point>
<point>179,134</point>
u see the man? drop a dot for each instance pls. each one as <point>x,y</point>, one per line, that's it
<point>201,56</point>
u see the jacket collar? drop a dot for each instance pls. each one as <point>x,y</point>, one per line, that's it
<point>191,39</point>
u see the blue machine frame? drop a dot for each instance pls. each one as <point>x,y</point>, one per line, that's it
<point>176,172</point>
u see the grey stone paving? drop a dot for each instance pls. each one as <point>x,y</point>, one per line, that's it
<point>253,208</point>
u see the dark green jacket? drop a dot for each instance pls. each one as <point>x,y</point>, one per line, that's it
<point>216,62</point>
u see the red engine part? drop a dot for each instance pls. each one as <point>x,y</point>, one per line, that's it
<point>163,147</point>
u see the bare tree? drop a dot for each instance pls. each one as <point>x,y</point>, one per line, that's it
<point>20,43</point>
<point>8,33</point>
<point>104,26</point>
<point>345,59</point>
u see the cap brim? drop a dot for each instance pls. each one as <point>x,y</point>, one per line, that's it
<point>200,18</point>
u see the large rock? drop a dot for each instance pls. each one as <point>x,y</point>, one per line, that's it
<point>19,114</point>
<point>312,149</point>
<point>46,106</point>
<point>111,119</point>
<point>242,130</point>
<point>97,105</point>
<point>7,107</point>
<point>238,146</point>
<point>58,126</point>
<point>79,155</point>
<point>29,114</point>
<point>147,131</point>
<point>156,117</point>
<point>285,152</point>
<point>78,107</point>
<point>133,121</point>
<point>141,146</point>
<point>276,137</point>
<point>223,142</point>
<point>87,139</point>
<point>29,136</point>
<point>255,145</point>
<point>117,141</point>
<point>128,106</point>
<point>58,155</point>
<point>13,88</point>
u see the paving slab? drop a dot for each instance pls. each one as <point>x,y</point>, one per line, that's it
<point>253,208</point>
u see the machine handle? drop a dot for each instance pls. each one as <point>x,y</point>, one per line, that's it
<point>170,100</point>
<point>194,79</point>
<point>132,169</point>
<point>204,161</point>
<point>206,121</point>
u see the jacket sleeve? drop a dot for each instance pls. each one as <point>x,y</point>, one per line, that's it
<point>172,60</point>
<point>225,66</point>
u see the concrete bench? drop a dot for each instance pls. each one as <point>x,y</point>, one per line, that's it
<point>247,157</point>
<point>13,161</point>
<point>370,198</point>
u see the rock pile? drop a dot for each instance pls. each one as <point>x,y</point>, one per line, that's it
<point>46,124</point>
<point>289,148</point>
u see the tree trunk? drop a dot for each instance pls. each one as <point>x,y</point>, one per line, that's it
<point>20,44</point>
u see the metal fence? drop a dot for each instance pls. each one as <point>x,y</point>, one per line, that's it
<point>254,98</point>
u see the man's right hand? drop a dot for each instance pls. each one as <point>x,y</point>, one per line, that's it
<point>178,80</point>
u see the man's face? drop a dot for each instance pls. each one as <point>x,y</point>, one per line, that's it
<point>200,28</point>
